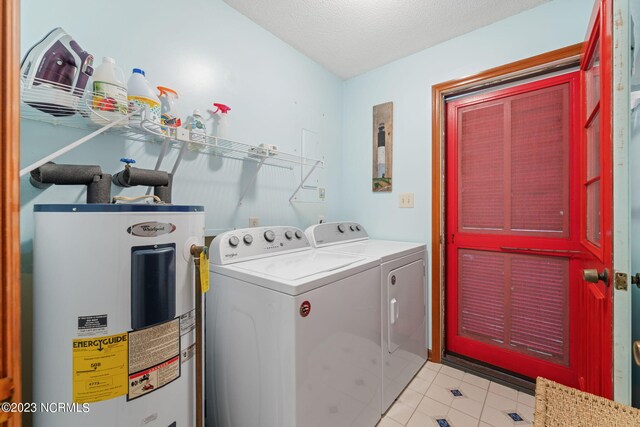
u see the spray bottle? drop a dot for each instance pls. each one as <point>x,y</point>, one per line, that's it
<point>220,124</point>
<point>197,129</point>
<point>219,116</point>
<point>168,100</point>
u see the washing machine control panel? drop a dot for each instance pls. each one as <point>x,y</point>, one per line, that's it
<point>329,233</point>
<point>256,242</point>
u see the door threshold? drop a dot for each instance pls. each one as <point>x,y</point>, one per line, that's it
<point>491,373</point>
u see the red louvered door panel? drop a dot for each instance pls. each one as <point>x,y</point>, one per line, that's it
<point>513,229</point>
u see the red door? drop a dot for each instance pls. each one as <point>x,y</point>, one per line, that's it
<point>595,294</point>
<point>513,227</point>
<point>528,199</point>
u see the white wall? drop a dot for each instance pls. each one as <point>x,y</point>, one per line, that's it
<point>407,82</point>
<point>209,53</point>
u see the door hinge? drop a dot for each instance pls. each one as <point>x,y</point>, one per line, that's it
<point>6,396</point>
<point>620,281</point>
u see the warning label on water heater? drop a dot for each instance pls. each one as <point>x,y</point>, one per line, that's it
<point>89,326</point>
<point>154,358</point>
<point>99,368</point>
<point>187,322</point>
<point>152,379</point>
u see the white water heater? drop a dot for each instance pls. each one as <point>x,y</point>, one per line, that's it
<point>114,315</point>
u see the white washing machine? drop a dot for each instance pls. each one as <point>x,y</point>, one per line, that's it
<point>403,291</point>
<point>292,334</point>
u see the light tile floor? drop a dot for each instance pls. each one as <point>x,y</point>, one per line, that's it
<point>441,396</point>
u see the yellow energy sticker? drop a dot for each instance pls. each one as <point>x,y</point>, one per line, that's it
<point>204,271</point>
<point>100,370</point>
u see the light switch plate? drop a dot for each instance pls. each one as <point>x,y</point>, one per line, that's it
<point>254,221</point>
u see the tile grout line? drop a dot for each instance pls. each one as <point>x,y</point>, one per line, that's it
<point>484,403</point>
<point>416,408</point>
<point>414,411</point>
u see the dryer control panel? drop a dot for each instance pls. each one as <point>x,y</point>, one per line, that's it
<point>331,233</point>
<point>250,243</point>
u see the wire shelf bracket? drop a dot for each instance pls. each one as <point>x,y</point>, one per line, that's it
<point>306,177</point>
<point>75,144</point>
<point>251,181</point>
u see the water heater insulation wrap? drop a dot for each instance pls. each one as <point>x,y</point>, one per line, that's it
<point>113,313</point>
<point>98,184</point>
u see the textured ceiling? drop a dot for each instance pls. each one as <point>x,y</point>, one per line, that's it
<point>350,37</point>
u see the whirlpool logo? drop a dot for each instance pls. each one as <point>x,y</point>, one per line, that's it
<point>151,229</point>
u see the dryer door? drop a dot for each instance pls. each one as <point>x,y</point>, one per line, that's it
<point>405,302</point>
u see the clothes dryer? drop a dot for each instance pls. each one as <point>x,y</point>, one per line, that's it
<point>403,296</point>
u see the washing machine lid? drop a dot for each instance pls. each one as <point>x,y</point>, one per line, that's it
<point>299,272</point>
<point>384,250</point>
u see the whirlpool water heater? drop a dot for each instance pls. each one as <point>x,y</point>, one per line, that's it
<point>114,314</point>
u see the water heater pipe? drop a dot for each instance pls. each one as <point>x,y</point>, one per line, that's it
<point>98,183</point>
<point>160,181</point>
<point>196,251</point>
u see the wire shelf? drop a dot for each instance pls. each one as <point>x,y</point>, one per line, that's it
<point>213,145</point>
<point>61,105</point>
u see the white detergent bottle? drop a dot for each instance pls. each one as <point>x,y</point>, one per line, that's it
<point>109,100</point>
<point>141,94</point>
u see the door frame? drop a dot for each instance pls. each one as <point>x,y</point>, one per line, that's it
<point>10,342</point>
<point>555,60</point>
<point>621,134</point>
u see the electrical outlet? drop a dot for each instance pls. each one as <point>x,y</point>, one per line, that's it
<point>322,193</point>
<point>320,219</point>
<point>254,221</point>
<point>406,200</point>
